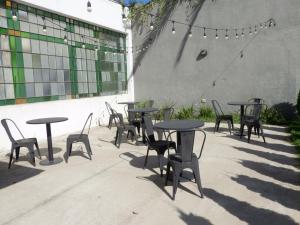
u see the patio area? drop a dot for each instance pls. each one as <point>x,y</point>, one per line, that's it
<point>244,183</point>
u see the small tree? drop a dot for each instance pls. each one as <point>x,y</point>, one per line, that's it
<point>298,103</point>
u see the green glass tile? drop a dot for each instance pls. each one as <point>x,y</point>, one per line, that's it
<point>34,36</point>
<point>25,34</point>
<point>50,39</point>
<point>43,37</point>
<point>3,30</point>
<point>22,7</point>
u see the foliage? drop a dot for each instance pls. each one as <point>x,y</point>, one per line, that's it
<point>186,113</point>
<point>294,129</point>
<point>298,104</point>
<point>273,116</point>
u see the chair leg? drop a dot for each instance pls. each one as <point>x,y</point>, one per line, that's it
<point>68,149</point>
<point>176,173</point>
<point>229,126</point>
<point>120,132</point>
<point>160,162</point>
<point>262,134</point>
<point>249,132</point>
<point>197,176</point>
<point>146,159</point>
<point>218,125</point>
<point>31,152</point>
<point>242,130</point>
<point>38,149</point>
<point>88,147</point>
<point>168,173</point>
<point>110,121</point>
<point>11,156</point>
<point>231,120</point>
<point>17,153</point>
<point>117,134</point>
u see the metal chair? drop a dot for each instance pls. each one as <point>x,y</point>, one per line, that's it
<point>160,146</point>
<point>82,137</point>
<point>17,144</point>
<point>121,128</point>
<point>252,119</point>
<point>220,116</point>
<point>185,159</point>
<point>112,114</point>
<point>166,114</point>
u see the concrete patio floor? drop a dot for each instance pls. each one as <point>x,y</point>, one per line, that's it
<point>243,183</point>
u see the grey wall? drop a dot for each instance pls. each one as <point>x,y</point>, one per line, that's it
<point>269,69</point>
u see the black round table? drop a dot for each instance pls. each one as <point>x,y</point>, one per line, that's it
<point>143,111</point>
<point>48,122</point>
<point>242,104</point>
<point>130,105</point>
<point>180,126</point>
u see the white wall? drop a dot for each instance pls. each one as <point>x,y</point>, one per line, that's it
<point>106,14</point>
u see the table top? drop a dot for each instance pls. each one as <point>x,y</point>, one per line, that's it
<point>126,103</point>
<point>179,125</point>
<point>242,103</point>
<point>143,110</point>
<point>47,120</point>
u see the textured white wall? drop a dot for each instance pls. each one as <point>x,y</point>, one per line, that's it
<point>106,14</point>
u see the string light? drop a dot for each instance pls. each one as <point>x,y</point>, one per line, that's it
<point>250,31</point>
<point>217,36</point>
<point>243,34</point>
<point>190,32</point>
<point>14,15</point>
<point>266,26</point>
<point>204,33</point>
<point>261,26</point>
<point>151,23</point>
<point>226,36</point>
<point>173,28</point>
<point>44,26</point>
<point>89,6</point>
<point>83,45</point>
<point>255,29</point>
<point>236,34</point>
<point>65,39</point>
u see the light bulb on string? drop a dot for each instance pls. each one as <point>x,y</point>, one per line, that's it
<point>44,26</point>
<point>173,28</point>
<point>89,6</point>
<point>65,38</point>
<point>190,32</point>
<point>250,31</point>
<point>261,25</point>
<point>255,29</point>
<point>242,54</point>
<point>266,25</point>
<point>226,35</point>
<point>124,17</point>
<point>14,15</point>
<point>242,34</point>
<point>236,34</point>
<point>82,45</point>
<point>151,23</point>
<point>217,36</point>
<point>204,33</point>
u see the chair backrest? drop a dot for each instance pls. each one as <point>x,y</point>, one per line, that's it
<point>254,111</point>
<point>149,104</point>
<point>167,113</point>
<point>6,127</point>
<point>109,108</point>
<point>217,108</point>
<point>257,100</point>
<point>149,129</point>
<point>119,120</point>
<point>88,123</point>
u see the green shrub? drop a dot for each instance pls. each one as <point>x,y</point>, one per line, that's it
<point>298,104</point>
<point>186,113</point>
<point>273,116</point>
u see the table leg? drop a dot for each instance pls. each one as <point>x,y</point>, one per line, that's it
<point>143,129</point>
<point>241,118</point>
<point>49,140</point>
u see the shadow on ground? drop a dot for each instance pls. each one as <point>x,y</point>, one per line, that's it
<point>284,196</point>
<point>15,174</point>
<point>278,173</point>
<point>191,219</point>
<point>278,158</point>
<point>247,212</point>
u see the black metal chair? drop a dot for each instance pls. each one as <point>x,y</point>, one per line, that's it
<point>82,137</point>
<point>121,128</point>
<point>252,119</point>
<point>17,144</point>
<point>112,114</point>
<point>166,114</point>
<point>185,159</point>
<point>220,116</point>
<point>160,146</point>
<point>135,121</point>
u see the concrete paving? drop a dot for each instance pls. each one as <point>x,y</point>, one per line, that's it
<point>243,183</point>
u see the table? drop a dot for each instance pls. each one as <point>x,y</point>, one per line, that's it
<point>143,111</point>
<point>179,126</point>
<point>242,104</point>
<point>48,122</point>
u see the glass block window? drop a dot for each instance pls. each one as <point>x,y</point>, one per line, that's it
<point>38,64</point>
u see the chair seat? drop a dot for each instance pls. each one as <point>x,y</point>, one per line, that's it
<point>178,158</point>
<point>162,145</point>
<point>77,137</point>
<point>225,117</point>
<point>26,141</point>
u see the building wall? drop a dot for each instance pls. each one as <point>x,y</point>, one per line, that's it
<point>105,14</point>
<point>269,68</point>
